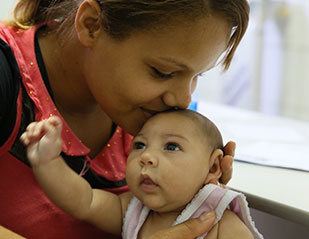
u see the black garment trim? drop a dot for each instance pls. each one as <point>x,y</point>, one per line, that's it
<point>9,89</point>
<point>41,64</point>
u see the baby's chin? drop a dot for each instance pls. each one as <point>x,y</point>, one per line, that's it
<point>164,208</point>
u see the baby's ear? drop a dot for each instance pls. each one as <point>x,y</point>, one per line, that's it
<point>214,167</point>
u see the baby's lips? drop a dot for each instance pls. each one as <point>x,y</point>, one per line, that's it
<point>146,179</point>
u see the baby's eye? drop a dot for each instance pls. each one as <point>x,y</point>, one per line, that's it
<point>172,147</point>
<point>139,145</point>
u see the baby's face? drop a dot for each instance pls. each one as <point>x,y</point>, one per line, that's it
<point>168,162</point>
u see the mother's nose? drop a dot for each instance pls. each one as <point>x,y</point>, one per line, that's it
<point>179,94</point>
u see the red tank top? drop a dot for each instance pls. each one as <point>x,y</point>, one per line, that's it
<point>24,208</point>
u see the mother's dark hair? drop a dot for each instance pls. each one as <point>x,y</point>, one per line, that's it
<point>121,17</point>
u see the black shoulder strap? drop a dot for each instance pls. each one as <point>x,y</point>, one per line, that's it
<point>9,87</point>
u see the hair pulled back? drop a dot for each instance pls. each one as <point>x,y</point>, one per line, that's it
<point>121,17</point>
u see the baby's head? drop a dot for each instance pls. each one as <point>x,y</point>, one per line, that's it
<point>172,157</point>
<point>206,130</point>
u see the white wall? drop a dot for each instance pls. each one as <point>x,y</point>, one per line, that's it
<point>295,102</point>
<point>6,7</point>
<point>269,72</point>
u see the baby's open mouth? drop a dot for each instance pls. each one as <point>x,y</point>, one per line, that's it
<point>147,184</point>
<point>148,181</point>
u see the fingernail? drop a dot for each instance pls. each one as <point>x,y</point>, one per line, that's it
<point>207,216</point>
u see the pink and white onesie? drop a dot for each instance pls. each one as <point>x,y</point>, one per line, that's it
<point>210,197</point>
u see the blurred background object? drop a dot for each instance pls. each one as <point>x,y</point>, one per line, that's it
<point>270,70</point>
<point>6,8</point>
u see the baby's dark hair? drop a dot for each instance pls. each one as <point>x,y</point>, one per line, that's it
<point>208,129</point>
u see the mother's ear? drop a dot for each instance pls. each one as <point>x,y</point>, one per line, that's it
<point>214,167</point>
<point>88,22</point>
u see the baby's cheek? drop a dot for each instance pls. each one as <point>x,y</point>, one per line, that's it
<point>182,187</point>
<point>129,173</point>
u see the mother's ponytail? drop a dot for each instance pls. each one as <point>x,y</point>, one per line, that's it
<point>31,12</point>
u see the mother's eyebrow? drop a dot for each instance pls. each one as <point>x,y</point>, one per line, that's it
<point>184,66</point>
<point>178,63</point>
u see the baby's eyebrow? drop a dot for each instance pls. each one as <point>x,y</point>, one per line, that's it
<point>177,136</point>
<point>139,135</point>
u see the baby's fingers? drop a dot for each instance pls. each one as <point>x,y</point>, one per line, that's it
<point>27,136</point>
<point>56,122</point>
<point>24,138</point>
<point>34,132</point>
<point>35,129</point>
<point>53,132</point>
<point>39,130</point>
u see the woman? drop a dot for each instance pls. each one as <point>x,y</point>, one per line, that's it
<point>104,67</point>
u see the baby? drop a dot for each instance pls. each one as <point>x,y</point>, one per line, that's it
<point>173,161</point>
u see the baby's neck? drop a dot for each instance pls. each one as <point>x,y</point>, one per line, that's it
<point>156,222</point>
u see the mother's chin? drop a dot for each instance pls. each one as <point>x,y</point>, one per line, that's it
<point>132,123</point>
<point>148,113</point>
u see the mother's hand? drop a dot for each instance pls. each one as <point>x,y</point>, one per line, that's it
<point>190,229</point>
<point>227,162</point>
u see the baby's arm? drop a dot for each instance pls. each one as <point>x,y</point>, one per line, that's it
<point>229,227</point>
<point>63,186</point>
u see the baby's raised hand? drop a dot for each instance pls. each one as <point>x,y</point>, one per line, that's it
<point>43,140</point>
